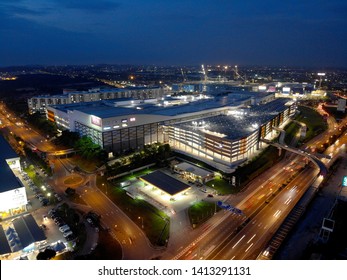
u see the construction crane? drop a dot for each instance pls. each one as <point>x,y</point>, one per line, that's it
<point>184,78</point>
<point>237,74</point>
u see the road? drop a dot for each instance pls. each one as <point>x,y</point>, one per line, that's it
<point>250,241</point>
<point>224,225</point>
<point>134,242</point>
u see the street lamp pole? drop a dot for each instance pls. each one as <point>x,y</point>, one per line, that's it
<point>141,221</point>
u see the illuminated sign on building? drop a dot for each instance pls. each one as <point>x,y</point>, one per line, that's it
<point>229,208</point>
<point>286,90</point>
<point>95,120</point>
<point>13,199</point>
<point>344,181</point>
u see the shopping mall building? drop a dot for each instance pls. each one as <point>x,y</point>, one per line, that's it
<point>13,198</point>
<point>219,130</point>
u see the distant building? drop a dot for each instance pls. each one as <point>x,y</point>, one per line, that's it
<point>220,130</point>
<point>13,198</point>
<point>40,103</point>
<point>341,105</point>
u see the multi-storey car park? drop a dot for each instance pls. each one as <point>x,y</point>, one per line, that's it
<point>220,130</point>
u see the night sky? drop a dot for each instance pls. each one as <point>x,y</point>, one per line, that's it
<point>174,32</point>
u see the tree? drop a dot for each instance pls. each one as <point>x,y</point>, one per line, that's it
<point>70,192</point>
<point>47,254</point>
<point>87,148</point>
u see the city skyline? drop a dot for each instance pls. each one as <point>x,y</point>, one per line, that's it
<point>309,33</point>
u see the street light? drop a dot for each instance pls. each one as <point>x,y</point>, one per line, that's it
<point>141,221</point>
<point>105,187</point>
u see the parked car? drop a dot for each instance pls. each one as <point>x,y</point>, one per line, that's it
<point>45,202</point>
<point>70,237</point>
<point>64,228</point>
<point>65,234</point>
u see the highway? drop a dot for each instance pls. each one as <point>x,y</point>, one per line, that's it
<point>250,241</point>
<point>222,228</point>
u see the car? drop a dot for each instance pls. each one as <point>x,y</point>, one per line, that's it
<point>43,226</point>
<point>60,224</point>
<point>45,202</point>
<point>58,221</point>
<point>51,212</point>
<point>70,237</point>
<point>210,195</point>
<point>64,228</point>
<point>58,197</point>
<point>65,234</point>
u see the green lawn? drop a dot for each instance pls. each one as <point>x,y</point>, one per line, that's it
<point>291,130</point>
<point>31,173</point>
<point>222,186</point>
<point>313,120</point>
<point>201,211</point>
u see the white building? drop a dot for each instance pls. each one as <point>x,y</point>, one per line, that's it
<point>13,198</point>
<point>40,103</point>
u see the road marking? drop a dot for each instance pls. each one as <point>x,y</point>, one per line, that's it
<point>278,212</point>
<point>238,241</point>
<point>288,201</point>
<point>249,247</point>
<point>251,238</point>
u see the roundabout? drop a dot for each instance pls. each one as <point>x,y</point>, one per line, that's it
<point>73,180</point>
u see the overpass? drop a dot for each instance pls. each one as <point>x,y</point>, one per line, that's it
<point>315,160</point>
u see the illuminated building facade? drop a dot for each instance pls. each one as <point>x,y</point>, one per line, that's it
<point>222,131</point>
<point>13,198</point>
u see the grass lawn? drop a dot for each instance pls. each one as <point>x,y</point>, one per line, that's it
<point>291,130</point>
<point>222,186</point>
<point>313,120</point>
<point>31,173</point>
<point>201,211</point>
<point>156,223</point>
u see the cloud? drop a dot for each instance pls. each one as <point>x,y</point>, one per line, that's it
<point>81,16</point>
<point>90,6</point>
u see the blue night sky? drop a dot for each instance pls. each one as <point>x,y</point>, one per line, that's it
<point>174,32</point>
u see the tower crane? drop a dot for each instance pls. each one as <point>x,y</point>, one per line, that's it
<point>184,78</point>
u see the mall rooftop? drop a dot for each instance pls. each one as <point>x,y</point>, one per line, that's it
<point>8,180</point>
<point>239,122</point>
<point>166,107</point>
